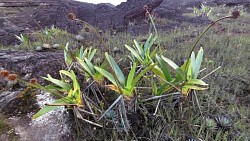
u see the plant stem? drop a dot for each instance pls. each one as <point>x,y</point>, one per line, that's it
<point>199,38</point>
<point>152,21</point>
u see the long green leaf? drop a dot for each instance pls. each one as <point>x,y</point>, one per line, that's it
<point>146,45</point>
<point>139,48</point>
<point>131,76</point>
<point>170,62</point>
<point>185,64</point>
<point>91,55</point>
<point>180,76</point>
<point>47,109</point>
<point>192,64</point>
<point>85,52</point>
<point>67,57</point>
<point>60,83</point>
<point>116,69</point>
<point>85,66</point>
<point>151,43</point>
<point>90,65</point>
<point>69,74</point>
<point>135,53</point>
<point>197,82</point>
<point>106,74</point>
<point>81,53</point>
<point>158,71</point>
<point>165,70</point>
<point>153,53</point>
<point>194,87</point>
<point>196,66</point>
<point>72,75</point>
<point>138,77</point>
<point>189,73</point>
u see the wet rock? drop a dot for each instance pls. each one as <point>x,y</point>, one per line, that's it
<point>55,125</point>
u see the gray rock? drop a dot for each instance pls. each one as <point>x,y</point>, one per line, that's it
<point>6,97</point>
<point>37,63</point>
<point>25,16</point>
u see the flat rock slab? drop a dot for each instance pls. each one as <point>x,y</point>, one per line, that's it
<point>36,64</point>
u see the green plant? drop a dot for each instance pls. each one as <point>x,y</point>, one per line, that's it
<point>24,39</point>
<point>210,124</point>
<point>205,10</point>
<point>73,92</point>
<point>53,31</point>
<point>84,59</point>
<point>183,81</point>
<point>170,77</point>
<point>70,57</point>
<point>224,122</point>
<point>142,52</point>
<point>121,84</point>
<point>125,87</point>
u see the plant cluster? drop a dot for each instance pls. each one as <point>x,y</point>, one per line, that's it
<point>49,38</point>
<point>203,11</point>
<point>177,83</point>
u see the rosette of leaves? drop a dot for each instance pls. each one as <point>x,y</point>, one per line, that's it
<point>142,52</point>
<point>184,80</point>
<point>24,39</point>
<point>224,122</point>
<point>124,86</point>
<point>210,124</point>
<point>70,57</point>
<point>121,84</point>
<point>60,88</point>
<point>205,10</point>
<point>85,64</point>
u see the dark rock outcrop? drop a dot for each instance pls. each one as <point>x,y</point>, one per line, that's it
<point>139,12</point>
<point>25,16</point>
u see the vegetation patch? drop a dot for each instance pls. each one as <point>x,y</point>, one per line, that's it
<point>189,84</point>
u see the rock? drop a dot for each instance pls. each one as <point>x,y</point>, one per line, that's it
<point>39,48</point>
<point>79,38</point>
<point>232,2</point>
<point>139,12</point>
<point>35,63</point>
<point>26,16</point>
<point>56,46</point>
<point>2,32</point>
<point>46,46</point>
<point>55,125</point>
